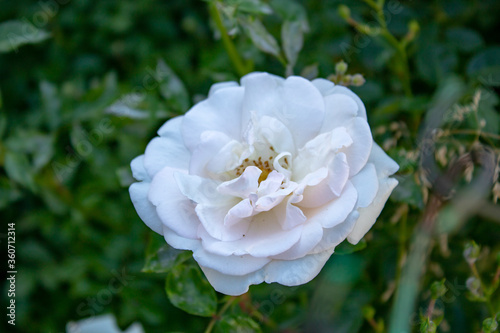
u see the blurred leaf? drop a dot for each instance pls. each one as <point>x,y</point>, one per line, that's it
<point>347,248</point>
<point>39,146</point>
<point>189,290</point>
<point>237,323</point>
<point>291,10</point>
<point>310,72</point>
<point>487,110</point>
<point>127,105</point>
<point>486,66</point>
<point>161,257</point>
<point>292,37</point>
<point>8,193</point>
<point>3,123</point>
<point>464,39</point>
<point>18,168</point>
<point>16,33</point>
<point>172,88</point>
<point>408,191</point>
<point>51,104</point>
<point>258,7</point>
<point>435,62</point>
<point>260,37</point>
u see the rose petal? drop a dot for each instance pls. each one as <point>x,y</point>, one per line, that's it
<point>232,265</point>
<point>212,219</point>
<point>220,112</point>
<point>211,143</point>
<point>263,238</point>
<point>366,183</point>
<point>324,86</point>
<point>231,284</point>
<point>138,170</point>
<point>145,209</point>
<point>358,153</point>
<point>167,150</point>
<point>339,109</point>
<point>311,236</point>
<point>335,211</point>
<point>337,234</point>
<point>221,85</point>
<point>242,186</point>
<point>179,242</point>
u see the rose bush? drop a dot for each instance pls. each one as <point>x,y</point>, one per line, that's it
<point>263,180</point>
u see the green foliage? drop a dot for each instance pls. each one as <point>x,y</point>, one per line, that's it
<point>188,290</point>
<point>85,86</point>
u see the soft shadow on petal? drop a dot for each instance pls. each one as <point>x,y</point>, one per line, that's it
<point>339,109</point>
<point>145,209</point>
<point>166,151</point>
<point>263,238</point>
<point>323,85</point>
<point>335,211</point>
<point>336,235</point>
<point>212,219</point>
<point>230,284</point>
<point>298,271</point>
<point>357,154</point>
<point>179,242</point>
<point>346,91</point>
<point>211,143</point>
<point>311,236</point>
<point>220,112</point>
<point>138,170</point>
<point>172,207</point>
<point>366,183</point>
<point>232,265</point>
<point>368,215</point>
<point>221,85</point>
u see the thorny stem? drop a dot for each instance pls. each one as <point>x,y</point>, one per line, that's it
<point>233,54</point>
<point>223,310</point>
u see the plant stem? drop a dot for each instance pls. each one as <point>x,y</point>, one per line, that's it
<point>233,54</point>
<point>223,310</point>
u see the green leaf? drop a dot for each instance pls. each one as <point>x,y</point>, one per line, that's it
<point>15,33</point>
<point>251,6</point>
<point>190,291</point>
<point>408,191</point>
<point>347,248</point>
<point>435,62</point>
<point>237,323</point>
<point>172,88</point>
<point>51,104</point>
<point>292,37</point>
<point>464,39</point>
<point>486,66</point>
<point>18,168</point>
<point>260,37</point>
<point>161,257</point>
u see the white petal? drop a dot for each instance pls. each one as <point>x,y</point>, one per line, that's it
<point>230,284</point>
<point>220,112</point>
<point>165,151</point>
<point>358,153</point>
<point>138,170</point>
<point>212,219</point>
<point>272,132</point>
<point>384,164</point>
<point>311,236</point>
<point>271,184</point>
<point>318,152</point>
<point>368,215</point>
<point>221,85</point>
<point>211,143</point>
<point>201,190</point>
<point>242,186</point>
<point>171,128</point>
<point>233,265</point>
<point>336,235</point>
<point>237,213</point>
<point>145,209</point>
<point>295,102</point>
<point>366,183</point>
<point>288,215</point>
<point>339,109</point>
<point>298,271</point>
<point>335,211</point>
<point>346,91</point>
<point>263,238</point>
<point>178,242</point>
<point>330,187</point>
<point>174,209</point>
<point>304,109</point>
<point>324,86</point>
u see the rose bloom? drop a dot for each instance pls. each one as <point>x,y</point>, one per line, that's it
<point>264,179</point>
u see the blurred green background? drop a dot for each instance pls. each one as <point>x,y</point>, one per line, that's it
<point>70,124</point>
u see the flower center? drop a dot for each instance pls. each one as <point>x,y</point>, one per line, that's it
<point>263,162</point>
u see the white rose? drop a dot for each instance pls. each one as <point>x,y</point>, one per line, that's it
<point>262,180</point>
